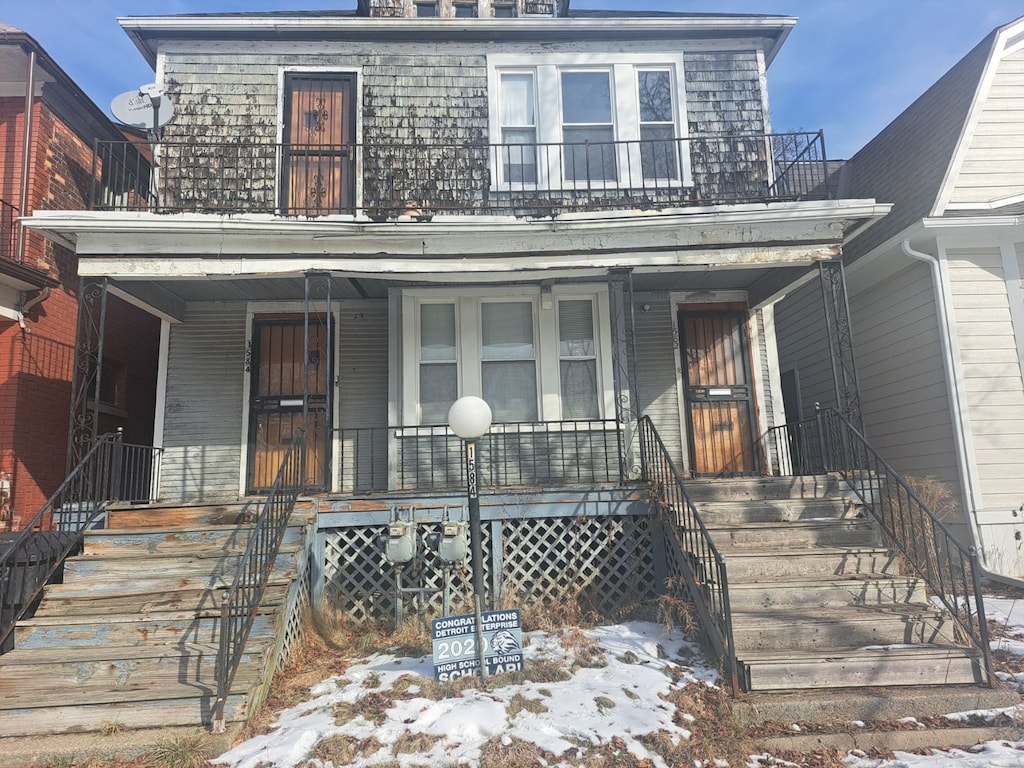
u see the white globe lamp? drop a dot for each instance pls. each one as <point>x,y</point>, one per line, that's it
<point>469,417</point>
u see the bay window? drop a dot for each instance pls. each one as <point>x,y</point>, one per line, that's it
<point>573,120</point>
<point>531,357</point>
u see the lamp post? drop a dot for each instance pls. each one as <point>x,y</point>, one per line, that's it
<point>470,418</point>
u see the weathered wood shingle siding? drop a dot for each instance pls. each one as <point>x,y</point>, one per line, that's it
<point>657,350</point>
<point>205,405</point>
<point>991,373</point>
<point>993,167</point>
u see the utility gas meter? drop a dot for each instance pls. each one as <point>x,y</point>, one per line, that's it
<point>453,546</point>
<point>400,546</point>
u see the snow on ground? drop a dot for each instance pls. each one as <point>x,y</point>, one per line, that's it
<point>623,699</point>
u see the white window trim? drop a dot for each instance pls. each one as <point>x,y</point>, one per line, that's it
<point>623,69</point>
<point>468,317</point>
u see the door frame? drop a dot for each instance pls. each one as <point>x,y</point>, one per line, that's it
<point>724,303</point>
<point>296,308</point>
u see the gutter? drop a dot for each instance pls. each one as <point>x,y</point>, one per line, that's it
<point>970,491</point>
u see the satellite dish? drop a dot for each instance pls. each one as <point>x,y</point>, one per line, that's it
<point>145,108</point>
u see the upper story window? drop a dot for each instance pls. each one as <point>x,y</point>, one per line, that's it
<point>465,10</point>
<point>503,10</point>
<point>574,120</point>
<point>426,10</point>
<point>531,359</point>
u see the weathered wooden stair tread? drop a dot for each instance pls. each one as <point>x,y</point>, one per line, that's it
<point>46,656</point>
<point>147,601</point>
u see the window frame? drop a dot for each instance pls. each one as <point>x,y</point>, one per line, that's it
<point>469,331</point>
<point>623,72</point>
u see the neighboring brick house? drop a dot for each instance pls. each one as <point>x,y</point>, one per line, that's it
<point>46,120</point>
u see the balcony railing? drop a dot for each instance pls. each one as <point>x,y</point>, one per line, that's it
<point>528,454</point>
<point>390,181</point>
<point>8,231</point>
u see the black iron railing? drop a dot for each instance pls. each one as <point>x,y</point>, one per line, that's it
<point>242,599</point>
<point>384,181</point>
<point>693,558</point>
<point>111,471</point>
<point>830,443</point>
<point>8,231</point>
<point>519,454</point>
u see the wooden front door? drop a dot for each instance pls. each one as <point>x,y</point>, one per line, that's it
<point>319,152</point>
<point>280,362</point>
<point>718,393</point>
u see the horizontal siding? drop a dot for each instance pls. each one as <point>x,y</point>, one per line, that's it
<point>656,351</point>
<point>803,344</point>
<point>994,164</point>
<point>204,407</point>
<point>902,375</point>
<point>991,373</point>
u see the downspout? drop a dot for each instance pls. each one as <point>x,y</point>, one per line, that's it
<point>26,150</point>
<point>959,430</point>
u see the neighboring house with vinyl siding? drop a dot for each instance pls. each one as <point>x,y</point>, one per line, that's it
<point>935,295</point>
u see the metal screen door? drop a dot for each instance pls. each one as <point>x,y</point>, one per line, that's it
<point>319,152</point>
<point>718,393</point>
<point>276,400</point>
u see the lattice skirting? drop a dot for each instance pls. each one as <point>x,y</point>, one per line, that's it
<point>606,563</point>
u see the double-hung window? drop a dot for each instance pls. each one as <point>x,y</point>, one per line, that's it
<point>569,121</point>
<point>532,358</point>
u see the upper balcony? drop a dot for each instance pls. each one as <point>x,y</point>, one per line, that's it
<point>381,182</point>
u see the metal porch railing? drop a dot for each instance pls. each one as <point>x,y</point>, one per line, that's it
<point>386,181</point>
<point>515,454</point>
<point>697,563</point>
<point>111,471</point>
<point>242,600</point>
<point>8,231</point>
<point>830,443</point>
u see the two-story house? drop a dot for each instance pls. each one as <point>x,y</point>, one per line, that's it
<point>584,218</point>
<point>48,127</point>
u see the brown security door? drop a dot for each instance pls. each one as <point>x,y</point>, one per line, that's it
<point>275,409</point>
<point>319,155</point>
<point>718,392</point>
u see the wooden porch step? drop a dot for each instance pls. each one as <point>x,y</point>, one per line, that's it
<point>60,677</point>
<point>870,666</point>
<point>824,562</point>
<point>197,540</point>
<point>760,488</point>
<point>833,629</point>
<point>130,516</point>
<point>864,589</point>
<point>130,630</point>
<point>103,572</point>
<point>794,535</point>
<point>66,600</point>
<point>776,510</point>
<point>184,710</point>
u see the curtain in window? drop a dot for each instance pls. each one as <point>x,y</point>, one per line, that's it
<point>508,364</point>
<point>577,359</point>
<point>519,128</point>
<point>439,384</point>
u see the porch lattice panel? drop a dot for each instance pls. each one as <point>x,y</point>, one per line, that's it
<point>604,562</point>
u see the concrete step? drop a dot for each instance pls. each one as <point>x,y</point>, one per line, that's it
<point>101,572</point>
<point>866,589</point>
<point>747,565</point>
<point>793,535</point>
<point>192,541</point>
<point>776,510</point>
<point>839,628</point>
<point>155,629</point>
<point>896,665</point>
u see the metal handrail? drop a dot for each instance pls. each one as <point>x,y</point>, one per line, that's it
<point>830,443</point>
<point>8,231</point>
<point>395,180</point>
<point>513,454</point>
<point>243,597</point>
<point>110,471</point>
<point>703,566</point>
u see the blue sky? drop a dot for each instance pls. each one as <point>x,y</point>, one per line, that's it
<point>849,67</point>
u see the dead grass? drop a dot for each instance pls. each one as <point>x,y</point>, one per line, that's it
<point>502,752</point>
<point>410,742</point>
<point>520,703</point>
<point>183,752</point>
